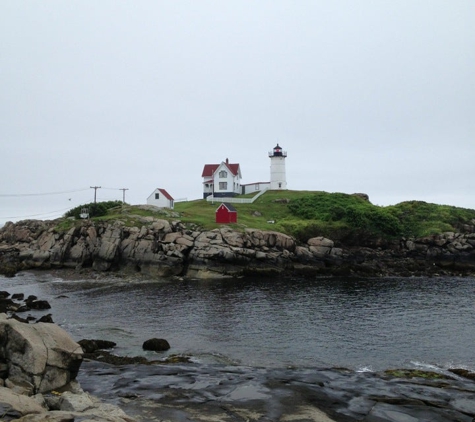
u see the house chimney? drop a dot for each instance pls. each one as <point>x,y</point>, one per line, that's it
<point>227,161</point>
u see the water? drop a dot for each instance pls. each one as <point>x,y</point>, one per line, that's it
<point>363,324</point>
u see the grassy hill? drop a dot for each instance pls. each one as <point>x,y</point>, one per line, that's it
<point>305,214</point>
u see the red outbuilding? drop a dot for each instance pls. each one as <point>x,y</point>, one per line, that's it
<point>226,213</point>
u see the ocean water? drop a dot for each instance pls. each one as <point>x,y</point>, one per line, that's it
<point>364,324</point>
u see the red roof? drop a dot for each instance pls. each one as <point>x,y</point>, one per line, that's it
<point>165,194</point>
<point>209,169</point>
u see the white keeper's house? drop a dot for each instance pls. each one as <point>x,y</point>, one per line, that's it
<point>161,198</point>
<point>221,180</point>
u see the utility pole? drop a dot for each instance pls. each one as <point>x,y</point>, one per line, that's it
<point>123,194</point>
<point>95,191</point>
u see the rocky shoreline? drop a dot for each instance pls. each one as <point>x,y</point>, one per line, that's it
<point>39,364</point>
<point>47,376</point>
<point>159,248</point>
<point>206,393</point>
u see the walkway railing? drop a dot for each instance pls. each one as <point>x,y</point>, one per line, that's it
<point>232,200</point>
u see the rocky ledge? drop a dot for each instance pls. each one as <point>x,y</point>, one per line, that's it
<point>204,393</point>
<point>159,248</point>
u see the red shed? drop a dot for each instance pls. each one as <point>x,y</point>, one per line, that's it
<point>226,213</point>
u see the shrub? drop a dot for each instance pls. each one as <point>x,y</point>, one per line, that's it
<point>349,210</point>
<point>419,218</point>
<point>97,209</point>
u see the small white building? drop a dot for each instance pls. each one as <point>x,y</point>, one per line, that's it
<point>255,187</point>
<point>161,198</point>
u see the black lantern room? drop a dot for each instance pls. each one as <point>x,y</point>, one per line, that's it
<point>277,152</point>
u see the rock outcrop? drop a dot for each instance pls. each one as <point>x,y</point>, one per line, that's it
<point>159,248</point>
<point>38,368</point>
<point>225,393</point>
<point>37,358</point>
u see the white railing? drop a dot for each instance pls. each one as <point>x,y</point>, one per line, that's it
<point>232,200</point>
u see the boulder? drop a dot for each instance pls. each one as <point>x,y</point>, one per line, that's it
<point>156,345</point>
<point>91,346</point>
<point>69,406</point>
<point>232,237</point>
<point>171,237</point>
<point>303,253</point>
<point>320,251</point>
<point>40,357</point>
<point>320,241</point>
<point>38,304</point>
<point>161,225</point>
<point>6,304</point>
<point>48,318</point>
<point>12,403</point>
<point>278,240</point>
<point>185,240</point>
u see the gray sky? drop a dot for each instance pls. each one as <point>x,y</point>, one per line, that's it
<point>365,96</point>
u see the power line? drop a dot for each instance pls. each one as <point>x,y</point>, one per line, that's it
<point>37,215</point>
<point>41,194</point>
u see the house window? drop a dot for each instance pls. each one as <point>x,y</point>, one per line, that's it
<point>257,187</point>
<point>223,185</point>
<point>223,174</point>
<point>157,196</point>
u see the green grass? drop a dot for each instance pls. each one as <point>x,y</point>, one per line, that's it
<point>343,217</point>
<point>305,214</point>
<point>420,218</point>
<point>202,212</point>
<point>302,214</point>
<point>65,225</point>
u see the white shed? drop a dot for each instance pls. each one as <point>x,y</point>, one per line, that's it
<point>160,198</point>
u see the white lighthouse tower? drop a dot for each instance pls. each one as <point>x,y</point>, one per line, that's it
<point>277,168</point>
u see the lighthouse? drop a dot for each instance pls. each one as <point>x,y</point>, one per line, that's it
<point>277,168</point>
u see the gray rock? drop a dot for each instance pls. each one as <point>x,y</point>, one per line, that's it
<point>18,402</point>
<point>320,241</point>
<point>156,345</point>
<point>40,357</point>
<point>162,249</point>
<point>320,251</point>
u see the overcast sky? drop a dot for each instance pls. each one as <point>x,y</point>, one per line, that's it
<point>368,96</point>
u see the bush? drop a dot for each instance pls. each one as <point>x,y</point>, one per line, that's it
<point>351,211</point>
<point>419,218</point>
<point>97,209</point>
<point>412,218</point>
